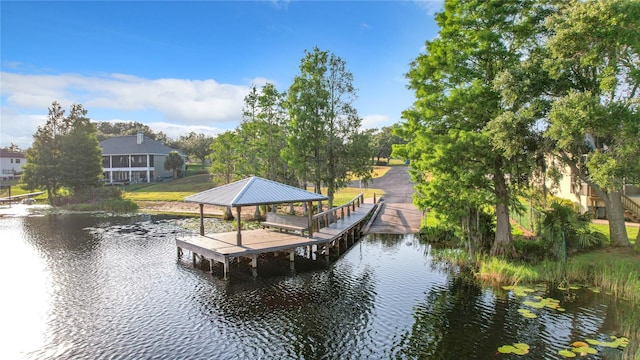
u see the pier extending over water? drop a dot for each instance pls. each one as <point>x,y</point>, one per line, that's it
<point>344,227</point>
<point>328,231</point>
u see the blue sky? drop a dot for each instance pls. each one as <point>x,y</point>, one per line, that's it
<point>186,66</point>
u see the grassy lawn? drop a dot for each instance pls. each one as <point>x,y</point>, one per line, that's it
<point>177,190</point>
<point>632,232</point>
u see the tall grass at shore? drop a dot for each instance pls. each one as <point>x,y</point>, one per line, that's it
<point>614,271</point>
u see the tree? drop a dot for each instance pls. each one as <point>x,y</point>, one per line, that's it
<point>263,133</point>
<point>594,123</point>
<point>108,129</point>
<point>64,153</point>
<point>383,142</point>
<point>226,160</point>
<point>82,164</point>
<point>196,145</point>
<point>323,143</point>
<point>458,168</point>
<point>174,162</point>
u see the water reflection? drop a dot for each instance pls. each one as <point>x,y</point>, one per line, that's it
<point>87,287</point>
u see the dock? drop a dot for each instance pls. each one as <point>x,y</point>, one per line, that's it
<point>342,228</point>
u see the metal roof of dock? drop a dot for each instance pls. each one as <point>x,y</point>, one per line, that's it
<point>253,191</point>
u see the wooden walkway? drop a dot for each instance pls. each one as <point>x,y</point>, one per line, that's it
<point>19,197</point>
<point>222,247</point>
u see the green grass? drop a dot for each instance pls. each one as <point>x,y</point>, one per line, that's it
<point>632,231</point>
<point>614,270</point>
<point>177,190</point>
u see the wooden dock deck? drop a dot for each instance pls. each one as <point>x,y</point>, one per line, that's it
<point>222,247</point>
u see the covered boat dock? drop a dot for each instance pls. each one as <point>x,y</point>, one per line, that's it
<point>328,231</point>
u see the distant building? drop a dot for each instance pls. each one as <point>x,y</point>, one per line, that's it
<point>11,163</point>
<point>135,158</point>
<point>572,188</point>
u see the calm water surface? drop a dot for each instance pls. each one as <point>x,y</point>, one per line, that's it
<point>87,287</point>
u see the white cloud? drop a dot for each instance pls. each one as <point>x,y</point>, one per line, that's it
<point>177,103</point>
<point>375,121</point>
<point>431,7</point>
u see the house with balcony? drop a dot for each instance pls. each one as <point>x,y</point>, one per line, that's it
<point>135,159</point>
<point>571,187</point>
<point>11,163</point>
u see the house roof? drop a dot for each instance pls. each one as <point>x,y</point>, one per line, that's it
<point>128,145</point>
<point>12,154</point>
<point>253,191</point>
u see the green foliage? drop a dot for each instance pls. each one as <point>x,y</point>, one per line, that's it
<point>108,129</point>
<point>64,153</point>
<point>263,133</point>
<point>531,251</point>
<point>195,145</point>
<point>382,142</point>
<point>594,123</point>
<point>455,127</point>
<point>107,198</point>
<point>325,145</point>
<point>174,162</point>
<point>563,225</point>
<point>227,163</point>
<point>438,234</point>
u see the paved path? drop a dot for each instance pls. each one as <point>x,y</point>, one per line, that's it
<point>398,215</point>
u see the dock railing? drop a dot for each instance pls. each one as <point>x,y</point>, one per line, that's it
<point>332,215</point>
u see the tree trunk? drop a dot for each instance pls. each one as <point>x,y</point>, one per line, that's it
<point>502,241</point>
<point>612,202</point>
<point>615,215</point>
<point>228,214</point>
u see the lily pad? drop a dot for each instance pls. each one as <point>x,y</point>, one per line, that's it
<point>567,353</point>
<point>580,344</point>
<point>518,349</point>
<point>592,341</point>
<point>522,346</point>
<point>506,349</point>
<point>584,350</point>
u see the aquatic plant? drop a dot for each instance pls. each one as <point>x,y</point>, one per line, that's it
<point>518,349</point>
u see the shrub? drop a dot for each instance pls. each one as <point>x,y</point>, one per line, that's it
<point>438,234</point>
<point>531,251</point>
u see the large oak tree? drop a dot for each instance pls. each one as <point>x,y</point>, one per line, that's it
<point>458,168</point>
<point>594,122</point>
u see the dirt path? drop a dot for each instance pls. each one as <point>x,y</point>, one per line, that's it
<point>398,214</point>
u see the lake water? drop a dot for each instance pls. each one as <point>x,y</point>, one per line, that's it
<point>90,287</point>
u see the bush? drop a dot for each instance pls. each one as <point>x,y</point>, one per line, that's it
<point>531,251</point>
<point>438,234</point>
<point>104,198</point>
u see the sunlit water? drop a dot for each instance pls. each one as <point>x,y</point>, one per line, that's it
<point>88,287</point>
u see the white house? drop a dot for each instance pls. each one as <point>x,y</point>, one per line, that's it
<point>135,158</point>
<point>11,163</point>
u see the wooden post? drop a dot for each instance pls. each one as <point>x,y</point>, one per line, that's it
<point>193,256</point>
<point>292,255</point>
<point>226,267</point>
<point>179,252</point>
<point>310,217</point>
<point>342,213</point>
<point>202,219</point>
<point>254,261</point>
<point>374,198</point>
<point>239,235</point>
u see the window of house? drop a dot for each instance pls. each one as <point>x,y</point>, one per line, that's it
<point>12,161</point>
<point>17,161</point>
